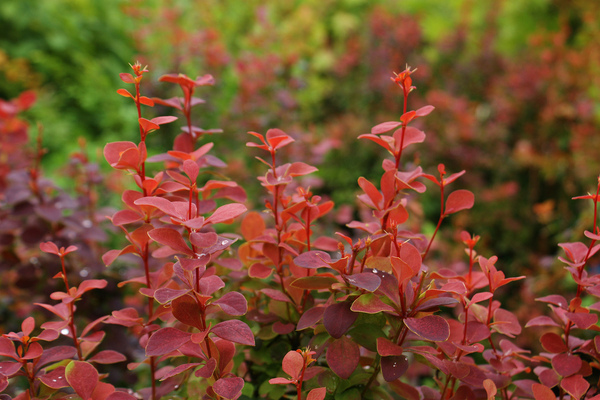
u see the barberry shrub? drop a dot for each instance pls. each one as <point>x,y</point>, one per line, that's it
<point>295,311</point>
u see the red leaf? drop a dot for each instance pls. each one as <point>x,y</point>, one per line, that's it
<point>431,327</point>
<point>314,282</point>
<point>541,320</point>
<point>393,367</point>
<point>166,340</point>
<point>575,385</point>
<point>405,390</point>
<point>459,200</point>
<point>253,225</point>
<point>385,127</point>
<point>343,356</point>
<point>423,111</point>
<point>226,212</point>
<point>490,388</point>
<point>235,331</point>
<point>146,101</point>
<point>553,343</point>
<point>124,93</point>
<point>338,318</point>
<point>229,388</point>
<point>122,154</point>
<point>49,247</point>
<point>233,303</point>
<point>371,191</point>
<point>187,310</point>
<point>82,377</point>
<point>259,271</point>
<point>300,169</point>
<point>107,357</point>
<point>172,238</point>
<point>506,323</point>
<point>311,317</point>
<point>583,320</point>
<point>364,280</point>
<point>147,125</point>
<point>541,392</point>
<point>165,295</point>
<point>317,394</point>
<point>34,351</point>
<point>566,364</point>
<point>163,120</point>
<point>386,347</point>
<point>55,379</point>
<point>292,364</point>
<point>127,78</point>
<point>370,303</point>
<point>313,259</point>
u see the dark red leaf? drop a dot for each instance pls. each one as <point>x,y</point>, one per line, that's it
<point>171,238</point>
<point>431,327</point>
<point>583,320</point>
<point>57,353</point>
<point>575,385</point>
<point>387,348</point>
<point>566,364</point>
<point>459,200</point>
<point>82,377</point>
<point>393,367</point>
<point>235,331</point>
<point>310,317</point>
<point>553,343</point>
<point>338,318</point>
<point>187,310</point>
<point>166,340</point>
<point>233,303</point>
<point>229,388</point>
<point>365,280</point>
<point>343,356</point>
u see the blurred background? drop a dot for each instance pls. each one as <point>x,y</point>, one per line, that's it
<point>515,85</point>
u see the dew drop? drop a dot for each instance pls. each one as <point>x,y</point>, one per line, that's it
<point>201,255</point>
<point>34,261</point>
<point>224,242</point>
<point>65,331</point>
<point>176,387</point>
<point>86,223</point>
<point>60,377</point>
<point>53,380</point>
<point>84,273</point>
